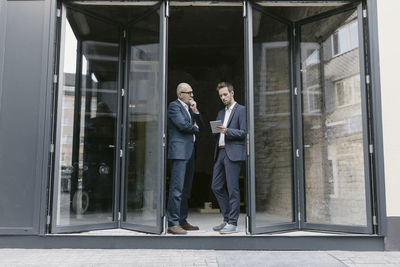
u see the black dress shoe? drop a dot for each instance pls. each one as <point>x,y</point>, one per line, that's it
<point>190,227</point>
<point>176,230</point>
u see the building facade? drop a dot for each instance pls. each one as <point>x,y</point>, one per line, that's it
<point>84,87</point>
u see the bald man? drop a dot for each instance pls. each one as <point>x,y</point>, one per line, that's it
<point>184,122</point>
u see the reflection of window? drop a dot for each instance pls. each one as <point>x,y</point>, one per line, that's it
<point>313,96</point>
<point>345,38</point>
<point>348,91</point>
<point>342,95</point>
<point>312,57</point>
<point>66,140</point>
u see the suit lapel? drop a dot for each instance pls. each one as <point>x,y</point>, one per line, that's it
<point>222,115</point>
<point>183,110</point>
<point>231,115</point>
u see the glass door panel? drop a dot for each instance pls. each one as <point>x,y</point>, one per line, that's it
<point>273,198</point>
<point>86,123</point>
<point>335,140</point>
<point>144,120</point>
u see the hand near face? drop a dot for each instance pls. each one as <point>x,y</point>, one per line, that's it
<point>221,129</point>
<point>193,106</point>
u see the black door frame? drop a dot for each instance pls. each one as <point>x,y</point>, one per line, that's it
<point>299,212</point>
<point>162,7</point>
<point>368,229</point>
<point>254,228</point>
<point>120,144</point>
<point>55,186</point>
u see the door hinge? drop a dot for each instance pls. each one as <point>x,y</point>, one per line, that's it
<point>52,148</point>
<point>248,144</point>
<point>119,215</point>
<point>122,92</point>
<point>167,9</point>
<point>121,153</point>
<point>297,153</point>
<point>299,216</point>
<point>165,225</point>
<point>244,9</point>
<point>374,222</point>
<point>367,81</point>
<point>163,140</point>
<point>295,91</point>
<point>124,33</point>
<point>247,226</point>
<point>364,13</point>
<point>55,78</point>
<point>58,12</point>
<point>48,220</point>
<point>371,148</point>
<point>294,31</point>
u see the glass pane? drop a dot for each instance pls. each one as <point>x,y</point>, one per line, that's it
<point>144,123</point>
<point>332,122</point>
<point>272,121</point>
<point>87,111</point>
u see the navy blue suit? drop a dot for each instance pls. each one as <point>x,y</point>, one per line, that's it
<point>181,152</point>
<point>228,162</point>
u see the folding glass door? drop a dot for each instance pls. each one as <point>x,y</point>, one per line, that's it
<point>272,195</point>
<point>308,120</point>
<point>335,184</point>
<point>143,136</point>
<point>109,153</point>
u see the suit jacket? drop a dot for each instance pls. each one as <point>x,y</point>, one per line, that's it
<point>235,137</point>
<point>180,130</point>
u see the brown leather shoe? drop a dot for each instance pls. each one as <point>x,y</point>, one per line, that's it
<point>190,227</point>
<point>176,230</point>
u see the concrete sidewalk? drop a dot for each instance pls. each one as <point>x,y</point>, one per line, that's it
<point>150,257</point>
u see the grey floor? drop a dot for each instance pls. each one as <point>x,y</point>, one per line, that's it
<point>205,221</point>
<point>148,257</point>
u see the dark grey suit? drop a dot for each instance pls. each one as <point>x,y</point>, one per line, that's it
<point>181,152</point>
<point>228,162</point>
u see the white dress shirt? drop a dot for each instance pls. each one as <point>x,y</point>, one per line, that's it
<point>228,112</point>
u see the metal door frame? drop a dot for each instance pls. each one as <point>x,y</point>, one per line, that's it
<point>251,208</point>
<point>299,220</point>
<point>57,126</point>
<point>162,7</point>
<point>365,125</point>
<point>120,138</point>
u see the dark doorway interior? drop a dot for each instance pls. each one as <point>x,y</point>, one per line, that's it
<point>205,47</point>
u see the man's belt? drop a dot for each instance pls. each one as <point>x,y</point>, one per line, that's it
<point>221,147</point>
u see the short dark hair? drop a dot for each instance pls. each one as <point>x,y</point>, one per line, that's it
<point>225,84</point>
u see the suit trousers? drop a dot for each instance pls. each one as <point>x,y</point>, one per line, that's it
<point>227,172</point>
<point>180,187</point>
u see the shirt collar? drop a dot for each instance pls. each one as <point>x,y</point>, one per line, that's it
<point>231,107</point>
<point>183,104</point>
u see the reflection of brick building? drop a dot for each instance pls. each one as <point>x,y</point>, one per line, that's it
<point>333,144</point>
<point>333,140</point>
<point>273,130</point>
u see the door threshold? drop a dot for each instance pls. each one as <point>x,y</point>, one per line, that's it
<point>206,233</point>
